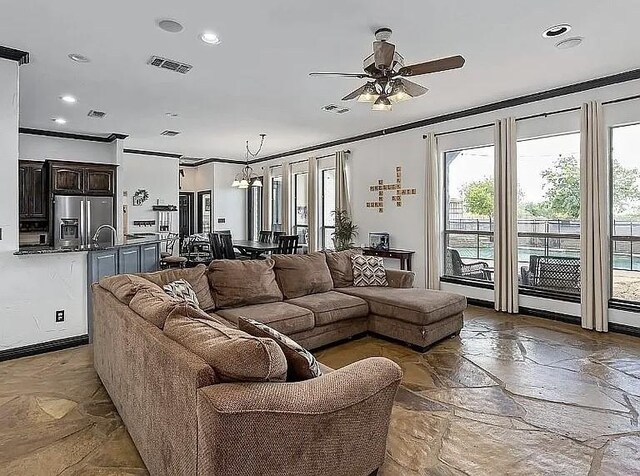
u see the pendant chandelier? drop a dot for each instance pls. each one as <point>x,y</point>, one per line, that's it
<point>247,177</point>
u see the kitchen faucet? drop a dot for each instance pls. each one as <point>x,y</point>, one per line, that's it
<point>100,228</point>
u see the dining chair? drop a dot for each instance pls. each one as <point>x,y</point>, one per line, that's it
<point>287,244</point>
<point>216,246</point>
<point>276,235</point>
<point>167,260</point>
<point>265,236</point>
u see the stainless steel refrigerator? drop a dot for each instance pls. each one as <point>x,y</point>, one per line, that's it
<point>76,219</point>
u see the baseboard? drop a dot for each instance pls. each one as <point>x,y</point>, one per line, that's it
<point>43,347</point>
<point>556,316</point>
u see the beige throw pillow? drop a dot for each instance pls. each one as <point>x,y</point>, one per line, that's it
<point>196,277</point>
<point>301,363</point>
<point>301,275</point>
<point>235,356</point>
<point>238,283</point>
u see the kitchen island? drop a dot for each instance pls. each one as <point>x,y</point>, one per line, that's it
<point>132,254</point>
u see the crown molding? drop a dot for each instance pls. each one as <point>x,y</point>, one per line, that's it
<point>68,135</point>
<point>21,57</point>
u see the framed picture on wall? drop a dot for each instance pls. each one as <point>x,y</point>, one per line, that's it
<point>379,241</point>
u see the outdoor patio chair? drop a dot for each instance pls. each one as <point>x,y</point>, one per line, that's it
<point>558,273</point>
<point>454,266</point>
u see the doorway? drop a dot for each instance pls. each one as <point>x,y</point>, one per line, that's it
<point>205,212</point>
<point>185,214</point>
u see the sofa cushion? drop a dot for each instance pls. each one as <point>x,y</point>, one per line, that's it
<point>196,277</point>
<point>301,364</point>
<point>243,282</point>
<point>340,267</point>
<point>235,356</point>
<point>125,286</point>
<point>299,275</point>
<point>417,306</point>
<point>283,317</point>
<point>332,306</point>
<point>153,305</point>
<point>368,271</point>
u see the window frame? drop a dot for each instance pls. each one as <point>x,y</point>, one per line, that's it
<point>296,225</point>
<point>446,231</point>
<point>323,227</point>
<point>531,290</point>
<point>617,303</point>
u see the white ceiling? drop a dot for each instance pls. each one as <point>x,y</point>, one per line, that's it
<point>256,79</point>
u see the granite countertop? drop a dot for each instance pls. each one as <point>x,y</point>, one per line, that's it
<point>128,240</point>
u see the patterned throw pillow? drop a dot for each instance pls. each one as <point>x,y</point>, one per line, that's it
<point>368,271</point>
<point>301,363</point>
<point>183,291</point>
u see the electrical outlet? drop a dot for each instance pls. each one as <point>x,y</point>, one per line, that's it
<point>60,316</point>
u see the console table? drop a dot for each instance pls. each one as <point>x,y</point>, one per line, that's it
<point>403,255</point>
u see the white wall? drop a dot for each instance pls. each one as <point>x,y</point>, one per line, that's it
<point>158,176</point>
<point>229,203</point>
<point>42,147</point>
<point>32,288</point>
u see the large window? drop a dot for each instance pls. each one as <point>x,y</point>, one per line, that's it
<point>276,204</point>
<point>469,214</point>
<point>300,207</point>
<point>549,215</point>
<point>625,212</point>
<point>327,207</point>
<point>254,212</point>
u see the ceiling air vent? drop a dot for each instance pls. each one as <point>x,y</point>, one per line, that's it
<point>96,114</point>
<point>335,109</point>
<point>171,65</point>
<point>169,133</point>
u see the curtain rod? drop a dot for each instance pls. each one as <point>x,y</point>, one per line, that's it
<point>535,116</point>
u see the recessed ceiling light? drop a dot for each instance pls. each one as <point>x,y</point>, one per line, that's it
<point>210,37</point>
<point>78,58</point>
<point>569,43</point>
<point>556,30</point>
<point>59,120</point>
<point>68,99</point>
<point>170,26</point>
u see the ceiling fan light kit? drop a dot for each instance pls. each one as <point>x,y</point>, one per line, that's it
<point>385,70</point>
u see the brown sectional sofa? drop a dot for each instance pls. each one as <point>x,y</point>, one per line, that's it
<point>185,420</point>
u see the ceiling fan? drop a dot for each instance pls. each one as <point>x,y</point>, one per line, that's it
<point>386,73</point>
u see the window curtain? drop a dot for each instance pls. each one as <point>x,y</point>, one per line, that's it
<point>286,197</point>
<point>506,217</point>
<point>312,190</point>
<point>343,199</point>
<point>432,209</point>
<point>266,199</point>
<point>594,220</point>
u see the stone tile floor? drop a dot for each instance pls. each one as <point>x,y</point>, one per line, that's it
<point>511,395</point>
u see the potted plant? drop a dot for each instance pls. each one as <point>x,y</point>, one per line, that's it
<point>345,231</point>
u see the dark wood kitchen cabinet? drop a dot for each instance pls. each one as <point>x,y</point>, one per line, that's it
<point>33,191</point>
<point>69,178</point>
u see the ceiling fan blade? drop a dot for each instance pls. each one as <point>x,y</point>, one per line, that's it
<point>355,93</point>
<point>413,89</point>
<point>443,64</point>
<point>341,75</point>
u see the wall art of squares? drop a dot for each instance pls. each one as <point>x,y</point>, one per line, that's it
<point>397,192</point>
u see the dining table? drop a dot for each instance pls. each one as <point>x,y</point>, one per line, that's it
<point>254,248</point>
